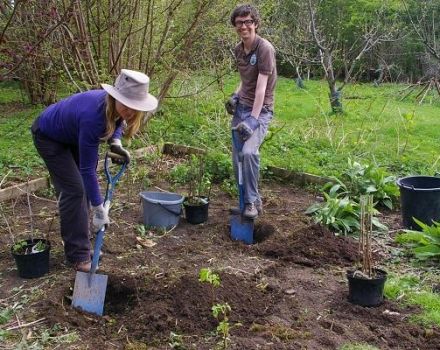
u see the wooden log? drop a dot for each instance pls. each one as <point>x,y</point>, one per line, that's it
<point>298,178</point>
<point>20,189</point>
<point>179,150</point>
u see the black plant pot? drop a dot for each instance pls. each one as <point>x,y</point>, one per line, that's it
<point>366,292</point>
<point>32,265</point>
<point>196,213</point>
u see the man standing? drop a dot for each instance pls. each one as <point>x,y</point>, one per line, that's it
<point>252,102</point>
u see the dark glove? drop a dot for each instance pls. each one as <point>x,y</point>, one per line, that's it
<point>231,103</point>
<point>100,215</point>
<point>247,127</point>
<point>116,147</point>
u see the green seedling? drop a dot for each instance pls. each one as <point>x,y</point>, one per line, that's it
<point>221,312</point>
<point>20,247</point>
<point>39,247</point>
<point>176,341</point>
<point>206,275</point>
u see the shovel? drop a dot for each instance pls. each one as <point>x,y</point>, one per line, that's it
<point>89,290</point>
<point>242,228</point>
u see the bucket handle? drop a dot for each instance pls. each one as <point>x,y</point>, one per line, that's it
<point>171,211</point>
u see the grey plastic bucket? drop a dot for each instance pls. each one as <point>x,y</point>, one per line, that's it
<point>161,209</point>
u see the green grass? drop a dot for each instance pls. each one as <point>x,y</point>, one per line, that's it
<point>358,346</point>
<point>375,127</point>
<point>411,290</point>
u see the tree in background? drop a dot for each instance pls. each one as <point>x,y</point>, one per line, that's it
<point>84,42</point>
<point>343,31</point>
<point>423,18</point>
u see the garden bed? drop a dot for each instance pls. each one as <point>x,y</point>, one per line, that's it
<point>288,291</point>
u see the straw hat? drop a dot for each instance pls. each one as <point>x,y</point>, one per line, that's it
<point>131,89</point>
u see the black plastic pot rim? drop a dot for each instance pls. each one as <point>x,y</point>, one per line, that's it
<point>185,201</point>
<point>418,189</point>
<point>378,274</point>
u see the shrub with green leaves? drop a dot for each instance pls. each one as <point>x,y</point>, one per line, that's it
<point>368,179</point>
<point>339,212</point>
<point>424,244</point>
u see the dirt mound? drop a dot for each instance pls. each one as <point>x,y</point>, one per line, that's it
<point>312,246</point>
<point>185,306</point>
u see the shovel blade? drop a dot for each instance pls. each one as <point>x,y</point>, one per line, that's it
<point>89,292</point>
<point>242,229</point>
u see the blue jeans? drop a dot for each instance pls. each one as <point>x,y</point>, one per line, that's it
<point>251,154</point>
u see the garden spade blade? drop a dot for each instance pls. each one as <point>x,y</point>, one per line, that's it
<point>242,229</point>
<point>89,290</point>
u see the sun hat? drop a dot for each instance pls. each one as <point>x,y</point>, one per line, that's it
<point>131,89</point>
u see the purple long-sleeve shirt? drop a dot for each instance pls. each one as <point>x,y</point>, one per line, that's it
<point>79,120</point>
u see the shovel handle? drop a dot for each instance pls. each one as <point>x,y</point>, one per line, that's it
<point>115,155</point>
<point>112,180</point>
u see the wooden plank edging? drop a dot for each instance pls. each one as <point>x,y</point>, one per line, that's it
<point>44,183</point>
<point>298,178</point>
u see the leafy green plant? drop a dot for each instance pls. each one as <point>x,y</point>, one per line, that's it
<point>20,247</point>
<point>424,244</point>
<point>360,179</point>
<point>221,312</point>
<point>340,214</point>
<point>39,247</point>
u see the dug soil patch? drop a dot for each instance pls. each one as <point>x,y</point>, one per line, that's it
<point>287,291</point>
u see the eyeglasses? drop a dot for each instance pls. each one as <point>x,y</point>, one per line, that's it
<point>247,23</point>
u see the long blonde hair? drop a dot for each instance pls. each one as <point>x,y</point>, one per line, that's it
<point>111,117</point>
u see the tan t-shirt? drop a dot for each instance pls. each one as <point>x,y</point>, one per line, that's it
<point>261,59</point>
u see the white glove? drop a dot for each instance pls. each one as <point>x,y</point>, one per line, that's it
<point>100,215</point>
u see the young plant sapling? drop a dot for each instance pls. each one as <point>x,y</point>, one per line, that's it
<point>221,312</point>
<point>199,181</point>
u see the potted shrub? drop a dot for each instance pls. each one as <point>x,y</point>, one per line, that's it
<point>365,285</point>
<point>31,255</point>
<point>196,204</point>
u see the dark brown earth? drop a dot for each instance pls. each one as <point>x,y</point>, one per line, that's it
<point>288,291</point>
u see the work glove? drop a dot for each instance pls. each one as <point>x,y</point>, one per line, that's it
<point>231,103</point>
<point>100,215</point>
<point>247,127</point>
<point>116,147</point>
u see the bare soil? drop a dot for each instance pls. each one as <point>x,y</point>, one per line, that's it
<point>288,291</point>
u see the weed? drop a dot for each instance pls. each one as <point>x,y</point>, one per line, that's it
<point>176,341</point>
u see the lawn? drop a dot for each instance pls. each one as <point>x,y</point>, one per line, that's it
<point>376,127</point>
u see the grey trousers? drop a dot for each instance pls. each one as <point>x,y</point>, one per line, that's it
<point>62,162</point>
<point>251,154</point>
